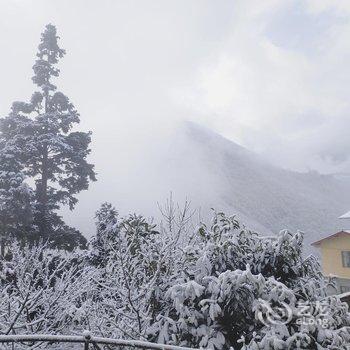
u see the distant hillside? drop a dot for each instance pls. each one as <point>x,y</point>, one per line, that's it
<point>214,172</point>
<point>229,177</point>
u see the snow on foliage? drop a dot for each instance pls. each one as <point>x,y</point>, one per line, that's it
<point>229,276</point>
<point>38,147</point>
<point>174,284</point>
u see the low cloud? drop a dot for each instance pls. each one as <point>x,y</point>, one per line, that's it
<point>279,83</point>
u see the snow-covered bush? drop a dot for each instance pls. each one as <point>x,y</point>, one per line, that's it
<point>40,290</point>
<point>232,274</point>
<point>219,286</point>
<point>136,262</point>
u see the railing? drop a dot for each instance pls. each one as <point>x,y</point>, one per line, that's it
<point>87,340</point>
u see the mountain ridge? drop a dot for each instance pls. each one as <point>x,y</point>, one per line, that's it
<point>268,197</point>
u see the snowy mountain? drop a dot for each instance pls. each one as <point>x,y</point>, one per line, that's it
<point>213,172</point>
<point>219,173</point>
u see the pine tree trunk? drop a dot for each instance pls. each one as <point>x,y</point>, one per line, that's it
<point>43,200</point>
<point>43,196</point>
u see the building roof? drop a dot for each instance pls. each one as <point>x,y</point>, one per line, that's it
<point>345,297</point>
<point>345,216</point>
<point>335,235</point>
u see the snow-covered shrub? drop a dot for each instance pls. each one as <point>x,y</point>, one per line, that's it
<point>231,275</point>
<point>219,286</point>
<point>136,263</point>
<point>40,290</point>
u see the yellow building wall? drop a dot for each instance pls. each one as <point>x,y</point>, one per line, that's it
<point>332,258</point>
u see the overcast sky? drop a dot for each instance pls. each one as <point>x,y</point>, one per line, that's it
<point>272,76</point>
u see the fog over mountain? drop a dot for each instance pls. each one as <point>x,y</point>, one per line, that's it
<point>213,172</point>
<point>271,76</point>
<point>165,167</point>
<point>266,197</point>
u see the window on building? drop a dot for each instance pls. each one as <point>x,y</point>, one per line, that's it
<point>344,289</point>
<point>346,258</point>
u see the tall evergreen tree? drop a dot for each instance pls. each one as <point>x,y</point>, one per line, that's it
<point>47,150</point>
